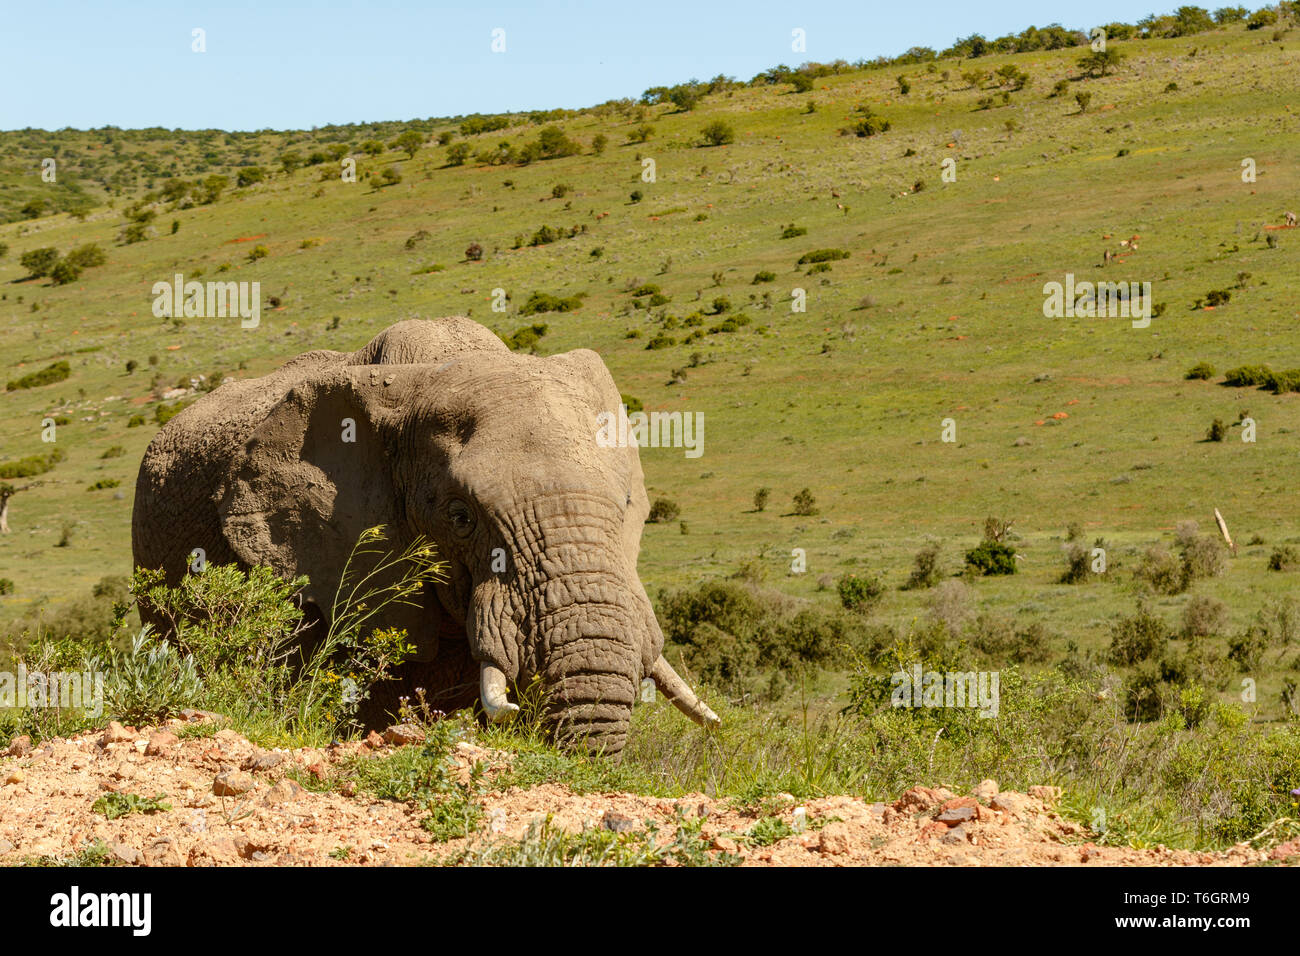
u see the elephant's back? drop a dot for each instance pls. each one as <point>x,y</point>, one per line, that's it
<point>428,342</point>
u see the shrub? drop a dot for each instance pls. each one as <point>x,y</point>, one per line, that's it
<point>6,586</point>
<point>1263,17</point>
<point>87,256</point>
<point>258,252</point>
<point>1244,376</point>
<point>162,414</point>
<point>992,557</point>
<point>457,154</point>
<point>763,276</point>
<point>1204,617</point>
<point>249,175</point>
<point>104,483</point>
<point>662,511</point>
<point>641,133</point>
<point>135,421</point>
<point>793,232</point>
<point>823,255</point>
<point>1162,571</point>
<point>1217,430</point>
<point>859,594</point>
<point>733,633</point>
<point>31,466</point>
<point>1202,554</point>
<point>926,572</point>
<point>525,338</point>
<point>149,680</point>
<point>64,272</point>
<point>39,262</point>
<point>57,372</point>
<point>1201,370</point>
<point>1083,99</point>
<point>718,133</point>
<point>539,302</point>
<point>760,498</point>
<point>804,503</point>
<point>1284,558</point>
<point>1078,563</point>
<point>661,341</point>
<point>1138,638</point>
<point>474,252</point>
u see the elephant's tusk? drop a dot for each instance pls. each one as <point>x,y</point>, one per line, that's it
<point>492,688</point>
<point>683,698</point>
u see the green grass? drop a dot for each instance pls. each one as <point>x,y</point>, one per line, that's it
<point>114,805</point>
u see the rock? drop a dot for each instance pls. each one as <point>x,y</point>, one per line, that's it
<point>957,835</point>
<point>20,746</point>
<point>986,791</point>
<point>834,839</point>
<point>374,741</point>
<point>231,783</point>
<point>1011,802</point>
<point>986,814</point>
<point>5,847</point>
<point>284,791</point>
<point>115,734</point>
<point>956,816</point>
<point>921,798</point>
<point>160,743</point>
<point>726,845</point>
<point>190,715</point>
<point>1048,795</point>
<point>617,822</point>
<point>163,852</point>
<point>957,802</point>
<point>218,852</point>
<point>15,776</point>
<point>264,761</point>
<point>401,734</point>
<point>1087,852</point>
<point>126,854</point>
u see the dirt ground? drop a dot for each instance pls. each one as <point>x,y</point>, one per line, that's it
<point>232,804</point>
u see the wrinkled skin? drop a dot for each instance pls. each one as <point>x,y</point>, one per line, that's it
<point>489,454</point>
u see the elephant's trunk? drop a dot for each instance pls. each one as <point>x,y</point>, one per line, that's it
<point>592,640</point>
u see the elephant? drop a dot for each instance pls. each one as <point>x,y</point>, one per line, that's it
<point>490,455</point>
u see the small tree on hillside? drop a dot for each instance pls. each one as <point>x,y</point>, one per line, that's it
<point>409,142</point>
<point>1098,62</point>
<point>718,133</point>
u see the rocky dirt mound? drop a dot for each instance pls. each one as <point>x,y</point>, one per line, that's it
<point>232,803</point>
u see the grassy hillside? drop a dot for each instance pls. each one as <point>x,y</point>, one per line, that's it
<point>937,313</point>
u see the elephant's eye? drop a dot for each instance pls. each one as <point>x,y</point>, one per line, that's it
<point>462,518</point>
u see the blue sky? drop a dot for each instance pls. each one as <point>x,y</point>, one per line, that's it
<point>303,64</point>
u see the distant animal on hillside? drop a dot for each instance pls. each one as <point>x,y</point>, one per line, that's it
<point>1290,219</point>
<point>1106,257</point>
<point>435,429</point>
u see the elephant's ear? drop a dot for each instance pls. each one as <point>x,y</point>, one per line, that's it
<point>309,480</point>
